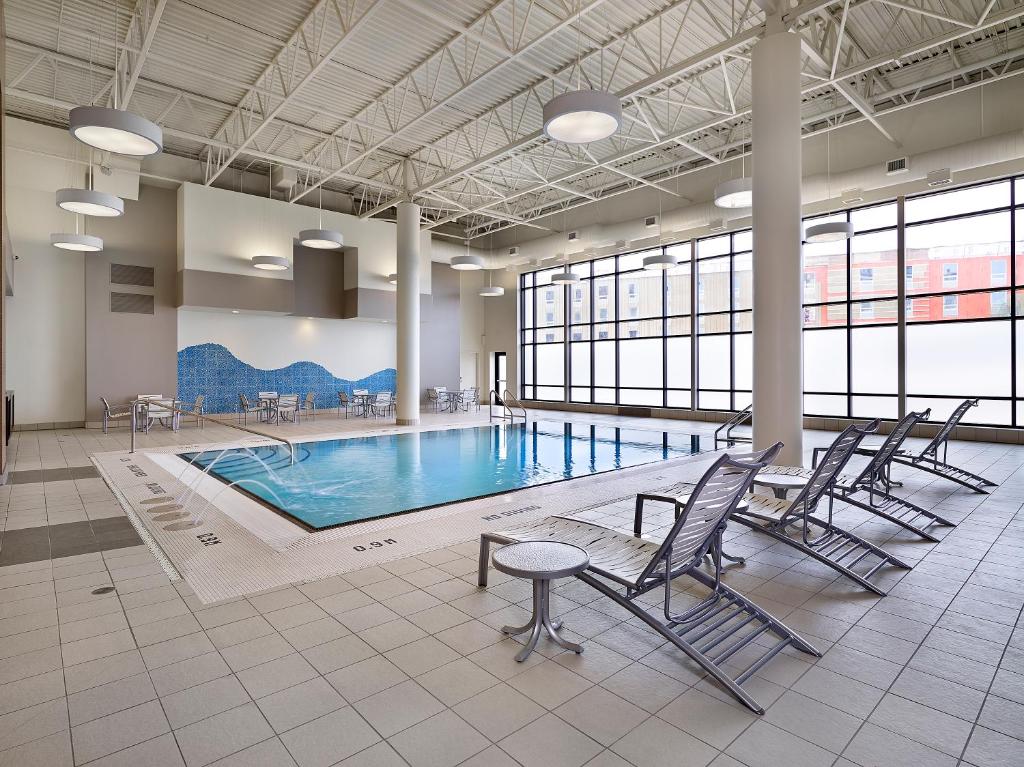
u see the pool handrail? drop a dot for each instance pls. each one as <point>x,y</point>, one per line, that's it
<point>510,402</point>
<point>179,411</point>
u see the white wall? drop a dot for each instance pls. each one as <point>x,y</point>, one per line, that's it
<point>348,348</point>
<point>221,230</point>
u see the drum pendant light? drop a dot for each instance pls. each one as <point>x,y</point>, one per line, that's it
<point>489,290</point>
<point>320,238</point>
<point>737,192</point>
<point>582,115</point>
<point>829,231</point>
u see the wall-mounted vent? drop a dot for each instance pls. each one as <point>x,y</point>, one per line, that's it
<point>514,250</point>
<point>131,303</point>
<point>283,177</point>
<point>850,196</point>
<point>897,165</point>
<point>651,221</point>
<point>127,274</point>
<point>940,177</point>
<point>573,236</point>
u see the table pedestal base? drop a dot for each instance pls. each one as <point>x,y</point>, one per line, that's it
<point>541,619</point>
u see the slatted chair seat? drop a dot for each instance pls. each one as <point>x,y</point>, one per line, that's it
<point>724,632</point>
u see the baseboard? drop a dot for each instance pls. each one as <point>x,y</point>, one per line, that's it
<point>48,426</point>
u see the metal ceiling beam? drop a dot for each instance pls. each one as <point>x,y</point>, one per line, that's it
<point>137,42</point>
<point>410,87</point>
<point>302,50</point>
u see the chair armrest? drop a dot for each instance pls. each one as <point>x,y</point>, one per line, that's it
<point>814,456</point>
<point>638,514</point>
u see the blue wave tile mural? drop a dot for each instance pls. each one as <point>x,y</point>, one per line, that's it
<point>211,369</point>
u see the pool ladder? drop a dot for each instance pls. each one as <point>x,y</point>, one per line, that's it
<point>511,407</point>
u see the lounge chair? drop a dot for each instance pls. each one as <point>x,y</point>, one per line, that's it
<point>244,408</point>
<point>726,433</point>
<point>115,412</point>
<point>723,627</point>
<point>308,405</point>
<point>869,490</point>
<point>818,537</point>
<point>928,459</point>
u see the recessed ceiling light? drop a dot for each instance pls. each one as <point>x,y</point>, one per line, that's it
<point>579,117</point>
<point>114,130</point>
<point>270,263</point>
<point>89,202</point>
<point>321,239</point>
<point>81,242</point>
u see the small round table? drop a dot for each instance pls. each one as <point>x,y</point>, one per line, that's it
<point>780,484</point>
<point>542,562</point>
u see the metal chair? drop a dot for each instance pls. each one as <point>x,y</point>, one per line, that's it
<point>244,408</point>
<point>287,408</point>
<point>198,411</point>
<point>471,398</point>
<point>382,404</point>
<point>344,403</point>
<point>115,412</point>
<point>819,537</point>
<point>724,633</point>
<point>308,405</point>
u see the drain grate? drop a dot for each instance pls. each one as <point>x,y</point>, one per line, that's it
<point>103,590</point>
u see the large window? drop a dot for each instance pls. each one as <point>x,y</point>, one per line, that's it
<point>683,338</point>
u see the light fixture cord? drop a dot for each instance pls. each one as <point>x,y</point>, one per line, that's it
<point>117,75</point>
<point>579,45</point>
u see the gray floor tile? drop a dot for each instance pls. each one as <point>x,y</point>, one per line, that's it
<point>276,675</point>
<point>925,725</point>
<point>203,700</point>
<point>443,740</point>
<point>269,753</point>
<point>110,698</point>
<point>764,745</point>
<point>300,704</point>
<point>603,716</point>
<point>161,751</point>
<point>876,746</point>
<point>117,731</point>
<point>329,739</point>
<point>705,717</point>
<point>550,742</point>
<point>222,735</point>
<point>52,751</point>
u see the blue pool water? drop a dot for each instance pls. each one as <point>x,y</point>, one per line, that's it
<point>337,482</point>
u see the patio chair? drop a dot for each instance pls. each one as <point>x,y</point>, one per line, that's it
<point>287,408</point>
<point>382,404</point>
<point>198,411</point>
<point>244,408</point>
<point>818,537</point>
<point>869,490</point>
<point>723,628</point>
<point>344,403</point>
<point>725,434</point>
<point>115,412</point>
<point>471,398</point>
<point>308,405</point>
<point>441,398</point>
<point>928,459</point>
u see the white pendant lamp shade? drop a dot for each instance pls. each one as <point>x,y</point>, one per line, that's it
<point>467,263</point>
<point>73,241</point>
<point>270,263</point>
<point>492,290</point>
<point>114,130</point>
<point>829,231</point>
<point>89,202</point>
<point>660,261</point>
<point>565,278</point>
<point>321,239</point>
<point>579,117</point>
<point>736,193</point>
<point>393,279</point>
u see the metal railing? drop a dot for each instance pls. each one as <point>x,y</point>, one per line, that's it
<point>142,405</point>
<point>509,406</point>
<point>740,419</point>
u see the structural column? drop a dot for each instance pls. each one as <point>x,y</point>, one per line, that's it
<point>778,357</point>
<point>408,314</point>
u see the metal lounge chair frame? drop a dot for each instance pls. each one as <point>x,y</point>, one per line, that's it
<point>742,418</point>
<point>874,482</point>
<point>928,459</point>
<point>819,538</point>
<point>725,625</point>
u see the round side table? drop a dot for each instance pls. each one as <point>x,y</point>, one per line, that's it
<point>542,562</point>
<point>780,484</point>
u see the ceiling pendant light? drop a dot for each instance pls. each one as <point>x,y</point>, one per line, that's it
<point>582,115</point>
<point>660,260</point>
<point>270,263</point>
<point>112,129</point>
<point>467,263</point>
<point>737,192</point>
<point>89,202</point>
<point>489,290</point>
<point>829,231</point>
<point>320,238</point>
<point>74,241</point>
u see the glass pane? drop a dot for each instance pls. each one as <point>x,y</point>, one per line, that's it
<point>551,393</point>
<point>969,306</point>
<point>640,363</point>
<point>551,364</point>
<point>713,323</point>
<point>874,360</point>
<point>677,290</point>
<point>633,261</point>
<point>713,285</point>
<point>824,272</point>
<point>825,361</point>
<point>581,394</point>
<point>1019,248</point>
<point>743,350</point>
<point>550,305</point>
<point>743,321</point>
<point>582,269</point>
<point>579,361</point>
<point>873,265</point>
<point>528,364</point>
<point>873,312</point>
<point>604,363</point>
<point>713,400</point>
<point>742,282</point>
<point>579,302</point>
<point>604,266</point>
<point>968,200</point>
<point>825,404</point>
<point>550,335</point>
<point>679,362</point>
<point>640,294</point>
<point>965,359</point>
<point>962,254</point>
<point>874,217</point>
<point>579,332</point>
<point>640,329</point>
<point>604,395</point>
<point>988,412</point>
<point>825,316</point>
<point>640,397</point>
<point>528,280</point>
<point>680,252</point>
<point>679,326</point>
<point>742,241</point>
<point>528,336</point>
<point>713,362</point>
<point>604,332</point>
<point>527,308</point>
<point>875,407</point>
<point>682,399</point>
<point>713,246</point>
<point>604,299</point>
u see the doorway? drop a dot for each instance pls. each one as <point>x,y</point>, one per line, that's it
<point>500,375</point>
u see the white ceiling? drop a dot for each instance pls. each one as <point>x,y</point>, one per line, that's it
<point>377,97</point>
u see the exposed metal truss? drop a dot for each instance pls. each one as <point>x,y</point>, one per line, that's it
<point>440,101</point>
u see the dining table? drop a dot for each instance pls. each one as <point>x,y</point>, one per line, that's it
<point>156,407</point>
<point>362,403</point>
<point>268,405</point>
